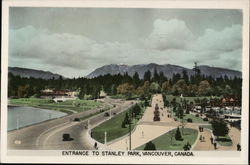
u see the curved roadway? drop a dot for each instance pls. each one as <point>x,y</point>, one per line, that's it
<point>48,135</point>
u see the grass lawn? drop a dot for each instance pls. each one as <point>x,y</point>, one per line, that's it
<point>190,99</point>
<point>164,142</point>
<point>193,117</point>
<point>113,127</point>
<point>66,106</point>
<point>224,140</point>
<point>208,126</point>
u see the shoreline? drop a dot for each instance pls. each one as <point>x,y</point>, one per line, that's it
<point>40,107</point>
<point>9,106</point>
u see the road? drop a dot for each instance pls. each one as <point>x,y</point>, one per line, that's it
<point>48,134</point>
<point>147,129</point>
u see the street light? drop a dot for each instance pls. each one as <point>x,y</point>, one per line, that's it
<point>130,139</point>
<point>182,113</point>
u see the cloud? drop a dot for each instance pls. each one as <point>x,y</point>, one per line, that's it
<point>229,39</point>
<point>171,34</point>
<point>169,42</point>
<point>63,50</point>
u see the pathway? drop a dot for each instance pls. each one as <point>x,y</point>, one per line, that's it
<point>147,129</point>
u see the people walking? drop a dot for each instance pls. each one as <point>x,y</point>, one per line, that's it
<point>95,145</point>
<point>212,140</point>
<point>215,145</point>
<point>238,147</point>
<point>201,138</point>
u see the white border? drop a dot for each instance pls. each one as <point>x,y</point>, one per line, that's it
<point>202,4</point>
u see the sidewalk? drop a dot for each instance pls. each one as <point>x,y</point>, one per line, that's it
<point>147,129</point>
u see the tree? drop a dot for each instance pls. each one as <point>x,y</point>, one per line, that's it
<point>162,78</point>
<point>156,76</point>
<point>150,146</point>
<point>123,124</point>
<point>204,88</point>
<point>178,134</point>
<point>174,104</point>
<point>187,147</point>
<point>136,109</point>
<point>24,91</point>
<point>228,91</point>
<point>126,89</point>
<point>176,77</point>
<point>146,87</point>
<point>126,120</point>
<point>185,76</point>
<point>136,79</point>
<point>181,86</point>
<point>196,69</point>
<point>140,91</point>
<point>154,87</point>
<point>219,127</point>
<point>180,112</point>
<point>166,87</point>
<point>147,76</point>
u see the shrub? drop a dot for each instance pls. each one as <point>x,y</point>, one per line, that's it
<point>178,134</point>
<point>150,146</point>
<point>205,119</point>
<point>189,120</point>
<point>197,115</point>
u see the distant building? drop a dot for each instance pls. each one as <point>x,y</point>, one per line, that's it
<point>58,95</point>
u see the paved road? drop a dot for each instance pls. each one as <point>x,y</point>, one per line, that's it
<point>48,135</point>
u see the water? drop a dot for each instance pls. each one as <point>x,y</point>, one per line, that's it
<point>19,117</point>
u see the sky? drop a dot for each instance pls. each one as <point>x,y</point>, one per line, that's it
<point>74,42</point>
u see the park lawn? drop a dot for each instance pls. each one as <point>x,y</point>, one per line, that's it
<point>164,141</point>
<point>113,127</point>
<point>193,117</point>
<point>208,127</point>
<point>190,99</point>
<point>224,140</point>
<point>66,106</point>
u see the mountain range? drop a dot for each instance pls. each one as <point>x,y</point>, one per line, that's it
<point>114,69</point>
<point>25,72</point>
<point>167,69</point>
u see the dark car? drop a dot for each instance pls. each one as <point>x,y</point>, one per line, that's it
<point>66,137</point>
<point>106,114</point>
<point>76,119</point>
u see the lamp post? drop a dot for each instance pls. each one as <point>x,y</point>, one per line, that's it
<point>182,113</point>
<point>130,139</point>
<point>129,136</point>
<point>105,137</point>
<point>17,121</point>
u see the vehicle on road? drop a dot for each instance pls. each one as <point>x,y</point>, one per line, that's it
<point>76,119</point>
<point>106,114</point>
<point>66,137</point>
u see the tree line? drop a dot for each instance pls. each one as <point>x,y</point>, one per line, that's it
<point>194,85</point>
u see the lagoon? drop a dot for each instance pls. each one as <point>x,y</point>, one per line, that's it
<point>19,117</point>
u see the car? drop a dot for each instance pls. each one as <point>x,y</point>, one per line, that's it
<point>76,119</point>
<point>106,114</point>
<point>66,137</point>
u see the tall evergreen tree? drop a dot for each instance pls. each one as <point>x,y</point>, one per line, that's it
<point>147,76</point>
